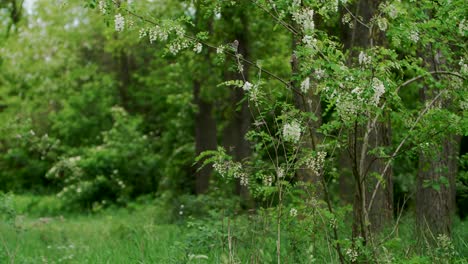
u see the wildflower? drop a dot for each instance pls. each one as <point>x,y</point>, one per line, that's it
<point>319,74</point>
<point>305,18</point>
<point>102,7</point>
<point>379,90</point>
<point>364,59</point>
<point>119,22</point>
<point>463,27</point>
<point>414,36</point>
<point>280,173</point>
<point>292,132</point>
<point>220,50</point>
<point>352,254</point>
<point>382,23</point>
<point>305,85</point>
<point>293,212</point>
<point>247,86</point>
<point>198,47</point>
<point>316,163</point>
<point>268,180</point>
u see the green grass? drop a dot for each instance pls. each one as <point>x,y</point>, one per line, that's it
<point>141,233</point>
<point>111,236</point>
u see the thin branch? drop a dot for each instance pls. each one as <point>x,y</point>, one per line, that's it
<point>192,38</point>
<point>356,18</point>
<point>429,73</point>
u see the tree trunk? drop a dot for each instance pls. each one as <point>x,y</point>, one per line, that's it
<point>205,136</point>
<point>436,189</point>
<point>240,120</point>
<point>205,123</point>
<point>367,172</point>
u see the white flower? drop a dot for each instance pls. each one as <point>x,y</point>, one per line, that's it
<point>220,50</point>
<point>293,212</point>
<point>414,36</point>
<point>463,27</point>
<point>292,132</point>
<point>198,47</point>
<point>119,22</point>
<point>319,74</point>
<point>379,90</point>
<point>392,11</point>
<point>280,173</point>
<point>352,254</point>
<point>305,85</point>
<point>143,33</point>
<point>463,67</point>
<point>305,18</point>
<point>364,59</point>
<point>102,7</point>
<point>382,23</point>
<point>247,86</point>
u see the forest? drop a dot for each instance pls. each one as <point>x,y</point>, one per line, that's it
<point>233,131</point>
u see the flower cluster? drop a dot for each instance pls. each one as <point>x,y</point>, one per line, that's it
<point>102,7</point>
<point>293,212</point>
<point>292,132</point>
<point>229,168</point>
<point>364,59</point>
<point>119,21</point>
<point>305,18</point>
<point>352,254</point>
<point>463,27</point>
<point>414,36</point>
<point>379,90</point>
<point>305,85</point>
<point>315,163</point>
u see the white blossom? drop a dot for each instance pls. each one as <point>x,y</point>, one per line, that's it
<point>319,73</point>
<point>382,23</point>
<point>142,33</point>
<point>305,85</point>
<point>364,59</point>
<point>293,212</point>
<point>414,36</point>
<point>463,27</point>
<point>463,67</point>
<point>292,132</point>
<point>119,22</point>
<point>379,90</point>
<point>305,18</point>
<point>247,86</point>
<point>352,254</point>
<point>198,47</point>
<point>315,163</point>
<point>280,173</point>
<point>102,7</point>
<point>220,50</point>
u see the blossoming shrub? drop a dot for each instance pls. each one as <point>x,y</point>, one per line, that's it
<point>123,166</point>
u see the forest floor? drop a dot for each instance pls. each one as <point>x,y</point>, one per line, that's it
<point>139,233</point>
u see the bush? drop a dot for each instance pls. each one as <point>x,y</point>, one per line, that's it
<point>122,167</point>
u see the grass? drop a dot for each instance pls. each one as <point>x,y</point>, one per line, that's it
<point>142,233</point>
<point>111,236</point>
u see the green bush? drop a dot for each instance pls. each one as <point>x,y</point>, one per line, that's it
<point>122,167</point>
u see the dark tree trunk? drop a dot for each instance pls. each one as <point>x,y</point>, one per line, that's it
<point>205,123</point>
<point>205,136</point>
<point>381,211</point>
<point>435,203</point>
<point>240,120</point>
<point>435,190</point>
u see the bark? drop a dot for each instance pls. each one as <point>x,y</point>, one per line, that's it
<point>205,136</point>
<point>368,168</point>
<point>435,202</point>
<point>240,120</point>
